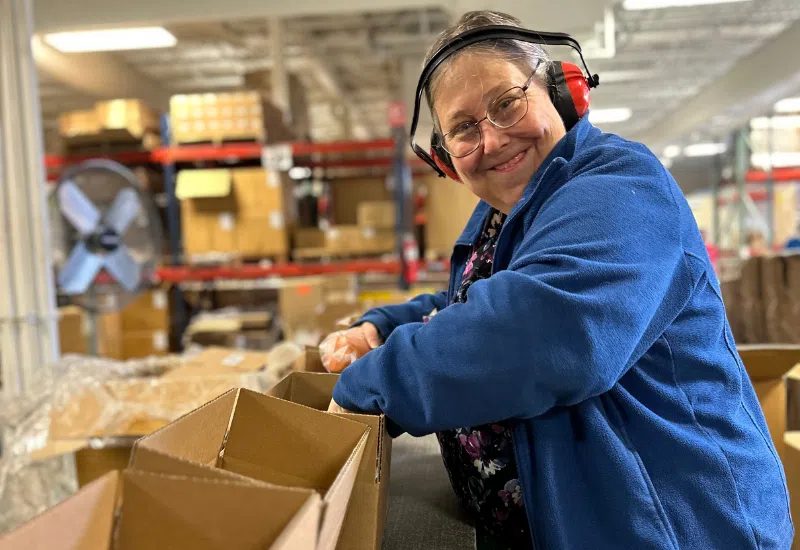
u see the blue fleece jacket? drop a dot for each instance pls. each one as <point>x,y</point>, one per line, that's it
<point>603,336</point>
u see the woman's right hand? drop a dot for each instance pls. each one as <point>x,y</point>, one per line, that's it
<point>340,349</point>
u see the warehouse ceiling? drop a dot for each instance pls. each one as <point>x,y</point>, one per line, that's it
<point>349,59</point>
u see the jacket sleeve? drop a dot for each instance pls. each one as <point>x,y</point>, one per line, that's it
<point>597,278</point>
<point>388,318</point>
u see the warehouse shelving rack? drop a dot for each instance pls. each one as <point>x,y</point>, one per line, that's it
<point>379,153</point>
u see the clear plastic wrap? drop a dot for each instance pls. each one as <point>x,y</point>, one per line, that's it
<point>340,349</point>
<point>90,401</point>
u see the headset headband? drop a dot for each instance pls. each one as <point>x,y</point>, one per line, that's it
<point>482,34</point>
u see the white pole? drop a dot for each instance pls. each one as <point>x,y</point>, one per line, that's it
<point>28,314</point>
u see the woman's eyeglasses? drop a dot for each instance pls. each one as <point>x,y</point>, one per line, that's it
<point>503,112</point>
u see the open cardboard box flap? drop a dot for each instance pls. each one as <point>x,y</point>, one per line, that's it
<point>161,511</point>
<point>244,434</point>
<point>366,516</point>
<point>767,366</point>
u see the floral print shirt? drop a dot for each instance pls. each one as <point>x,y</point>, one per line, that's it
<point>480,460</point>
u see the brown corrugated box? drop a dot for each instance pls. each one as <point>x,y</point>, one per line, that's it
<point>300,301</point>
<point>352,239</point>
<point>308,237</point>
<point>365,520</point>
<point>376,214</point>
<point>244,434</point>
<point>72,337</point>
<point>215,361</point>
<point>772,293</point>
<point>791,465</point>
<point>767,366</point>
<point>448,207</point>
<point>244,210</point>
<point>109,120</point>
<point>348,193</point>
<point>162,511</point>
<point>148,312</point>
<point>751,302</point>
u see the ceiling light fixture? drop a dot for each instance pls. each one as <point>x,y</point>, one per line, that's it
<point>658,4</point>
<point>704,149</point>
<point>788,105</point>
<point>672,151</point>
<point>609,116</point>
<point>776,160</point>
<point>777,122</point>
<point>109,40</point>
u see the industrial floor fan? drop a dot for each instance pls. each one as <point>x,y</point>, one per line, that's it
<point>109,239</point>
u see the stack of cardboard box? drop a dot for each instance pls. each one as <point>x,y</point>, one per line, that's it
<point>140,330</point>
<point>117,120</point>
<point>448,207</point>
<point>763,303</point>
<point>243,212</point>
<point>226,116</point>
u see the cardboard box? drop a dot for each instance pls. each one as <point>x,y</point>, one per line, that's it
<point>752,303</point>
<point>791,465</point>
<point>148,312</point>
<point>243,434</point>
<point>147,343</point>
<point>306,237</point>
<point>113,120</point>
<point>448,207</point>
<point>245,211</point>
<point>348,193</point>
<point>376,215</point>
<point>377,241</point>
<point>159,511</point>
<point>766,365</point>
<point>300,301</point>
<point>72,337</point>
<point>365,520</point>
<point>217,361</point>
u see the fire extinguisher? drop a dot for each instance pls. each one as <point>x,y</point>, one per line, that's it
<point>411,259</point>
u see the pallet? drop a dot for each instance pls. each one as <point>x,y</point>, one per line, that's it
<point>228,259</point>
<point>111,141</point>
<point>222,139</point>
<point>323,254</point>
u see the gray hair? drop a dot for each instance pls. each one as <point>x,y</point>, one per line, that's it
<point>525,55</point>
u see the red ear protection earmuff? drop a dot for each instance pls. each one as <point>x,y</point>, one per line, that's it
<point>569,89</point>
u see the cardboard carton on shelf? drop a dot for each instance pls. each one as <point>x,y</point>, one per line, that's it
<point>376,215</point>
<point>448,207</point>
<point>116,120</point>
<point>160,511</point>
<point>366,517</point>
<point>245,211</point>
<point>248,435</point>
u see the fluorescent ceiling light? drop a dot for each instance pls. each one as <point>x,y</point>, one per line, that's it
<point>606,116</point>
<point>667,162</point>
<point>109,40</point>
<point>777,160</point>
<point>788,105</point>
<point>779,122</point>
<point>672,151</point>
<point>658,4</point>
<point>704,149</point>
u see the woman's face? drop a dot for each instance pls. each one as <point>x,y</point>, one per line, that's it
<point>499,170</point>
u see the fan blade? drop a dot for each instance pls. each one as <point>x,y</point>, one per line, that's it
<point>79,270</point>
<point>77,208</point>
<point>124,269</point>
<point>123,211</point>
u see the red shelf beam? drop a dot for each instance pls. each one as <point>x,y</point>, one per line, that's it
<point>178,274</point>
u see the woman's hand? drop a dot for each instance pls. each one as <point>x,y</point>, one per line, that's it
<point>334,408</point>
<point>340,349</point>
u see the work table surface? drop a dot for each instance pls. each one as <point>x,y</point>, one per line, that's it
<point>423,510</point>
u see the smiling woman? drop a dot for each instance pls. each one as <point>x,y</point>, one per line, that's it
<point>580,372</point>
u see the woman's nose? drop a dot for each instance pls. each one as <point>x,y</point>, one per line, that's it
<point>494,138</point>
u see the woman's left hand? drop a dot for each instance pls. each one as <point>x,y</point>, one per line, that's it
<point>335,408</point>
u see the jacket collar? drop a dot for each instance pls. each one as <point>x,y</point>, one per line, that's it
<point>564,149</point>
